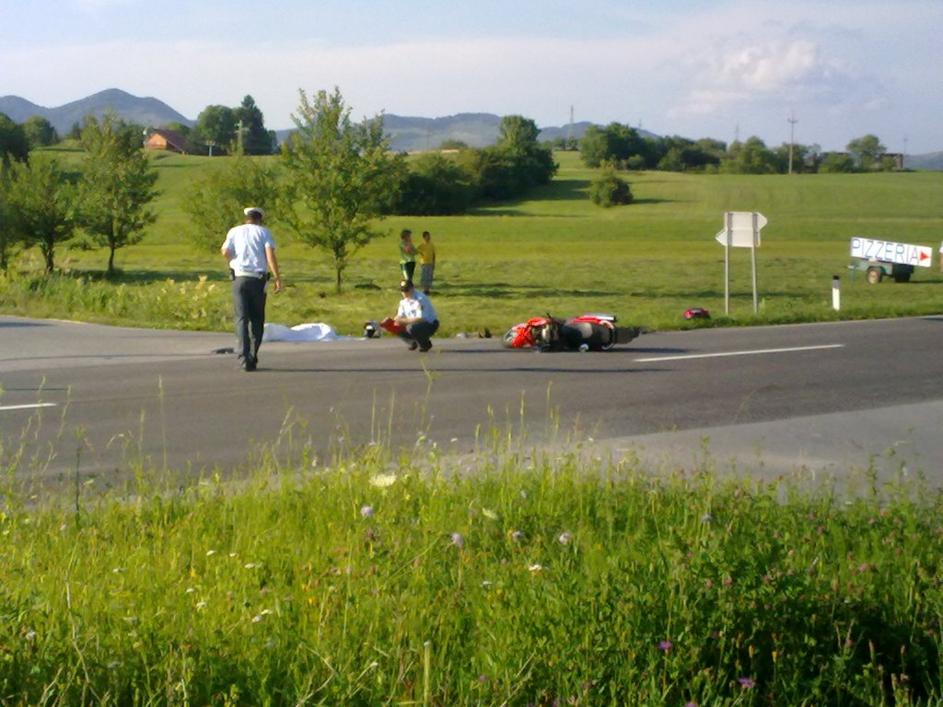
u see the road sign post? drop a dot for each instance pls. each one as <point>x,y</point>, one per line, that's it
<point>741,230</point>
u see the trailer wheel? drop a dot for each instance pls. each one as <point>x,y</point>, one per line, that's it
<point>874,275</point>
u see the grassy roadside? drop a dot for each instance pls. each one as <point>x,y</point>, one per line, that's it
<point>508,578</point>
<point>556,252</point>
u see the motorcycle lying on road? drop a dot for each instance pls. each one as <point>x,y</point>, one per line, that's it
<point>587,332</point>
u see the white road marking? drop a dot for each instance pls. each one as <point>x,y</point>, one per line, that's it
<point>755,352</point>
<point>27,407</point>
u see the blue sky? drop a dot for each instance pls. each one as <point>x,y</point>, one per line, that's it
<point>842,68</point>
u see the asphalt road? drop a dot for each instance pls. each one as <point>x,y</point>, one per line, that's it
<point>763,400</point>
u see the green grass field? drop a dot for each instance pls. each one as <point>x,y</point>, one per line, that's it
<point>555,251</point>
<point>506,576</point>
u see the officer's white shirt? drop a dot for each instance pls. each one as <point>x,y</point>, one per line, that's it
<point>248,242</point>
<point>417,306</point>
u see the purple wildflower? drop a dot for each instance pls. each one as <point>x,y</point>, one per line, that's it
<point>565,538</point>
<point>366,512</point>
<point>665,646</point>
<point>458,541</point>
<point>746,683</point>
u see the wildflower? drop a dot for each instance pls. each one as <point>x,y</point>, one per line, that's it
<point>565,538</point>
<point>366,512</point>
<point>190,590</point>
<point>382,481</point>
<point>488,513</point>
<point>486,583</point>
<point>707,518</point>
<point>458,541</point>
<point>517,536</point>
<point>256,619</point>
<point>746,683</point>
<point>535,567</point>
<point>30,635</point>
<point>665,646</point>
<point>690,704</point>
<point>250,565</point>
<point>210,553</point>
<point>201,605</point>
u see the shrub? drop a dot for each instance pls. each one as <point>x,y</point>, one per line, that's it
<point>609,189</point>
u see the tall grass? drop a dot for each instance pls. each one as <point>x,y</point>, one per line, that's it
<point>507,577</point>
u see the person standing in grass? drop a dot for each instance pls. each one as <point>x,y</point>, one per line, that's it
<point>407,254</point>
<point>250,250</point>
<point>426,262</point>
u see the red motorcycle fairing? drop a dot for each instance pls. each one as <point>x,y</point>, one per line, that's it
<point>596,332</point>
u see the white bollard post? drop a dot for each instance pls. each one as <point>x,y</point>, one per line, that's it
<point>836,293</point>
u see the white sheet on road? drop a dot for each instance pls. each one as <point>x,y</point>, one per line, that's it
<point>315,331</point>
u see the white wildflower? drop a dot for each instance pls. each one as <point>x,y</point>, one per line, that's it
<point>382,481</point>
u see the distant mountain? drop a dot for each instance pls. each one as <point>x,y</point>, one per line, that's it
<point>929,161</point>
<point>414,134</point>
<point>148,112</point>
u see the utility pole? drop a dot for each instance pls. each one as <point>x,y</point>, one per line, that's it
<point>239,131</point>
<point>569,130</point>
<point>792,136</point>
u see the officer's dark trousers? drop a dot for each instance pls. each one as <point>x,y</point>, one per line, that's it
<point>420,332</point>
<point>248,300</point>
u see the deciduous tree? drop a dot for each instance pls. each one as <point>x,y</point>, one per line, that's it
<point>339,177</point>
<point>866,151</point>
<point>39,132</point>
<point>13,144</point>
<point>215,203</point>
<point>216,125</point>
<point>117,185</point>
<point>40,205</point>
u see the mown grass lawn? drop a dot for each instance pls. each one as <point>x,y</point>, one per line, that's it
<point>554,251</point>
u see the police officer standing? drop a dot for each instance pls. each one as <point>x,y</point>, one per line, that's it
<point>250,250</point>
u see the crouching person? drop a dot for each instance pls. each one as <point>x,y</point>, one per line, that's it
<point>416,317</point>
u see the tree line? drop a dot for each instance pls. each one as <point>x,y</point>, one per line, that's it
<point>333,180</point>
<point>624,148</point>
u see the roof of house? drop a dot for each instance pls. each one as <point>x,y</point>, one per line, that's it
<point>173,138</point>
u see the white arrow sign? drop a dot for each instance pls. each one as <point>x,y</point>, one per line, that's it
<point>891,252</point>
<point>744,231</point>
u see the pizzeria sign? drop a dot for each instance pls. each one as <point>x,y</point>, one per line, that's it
<point>891,252</point>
